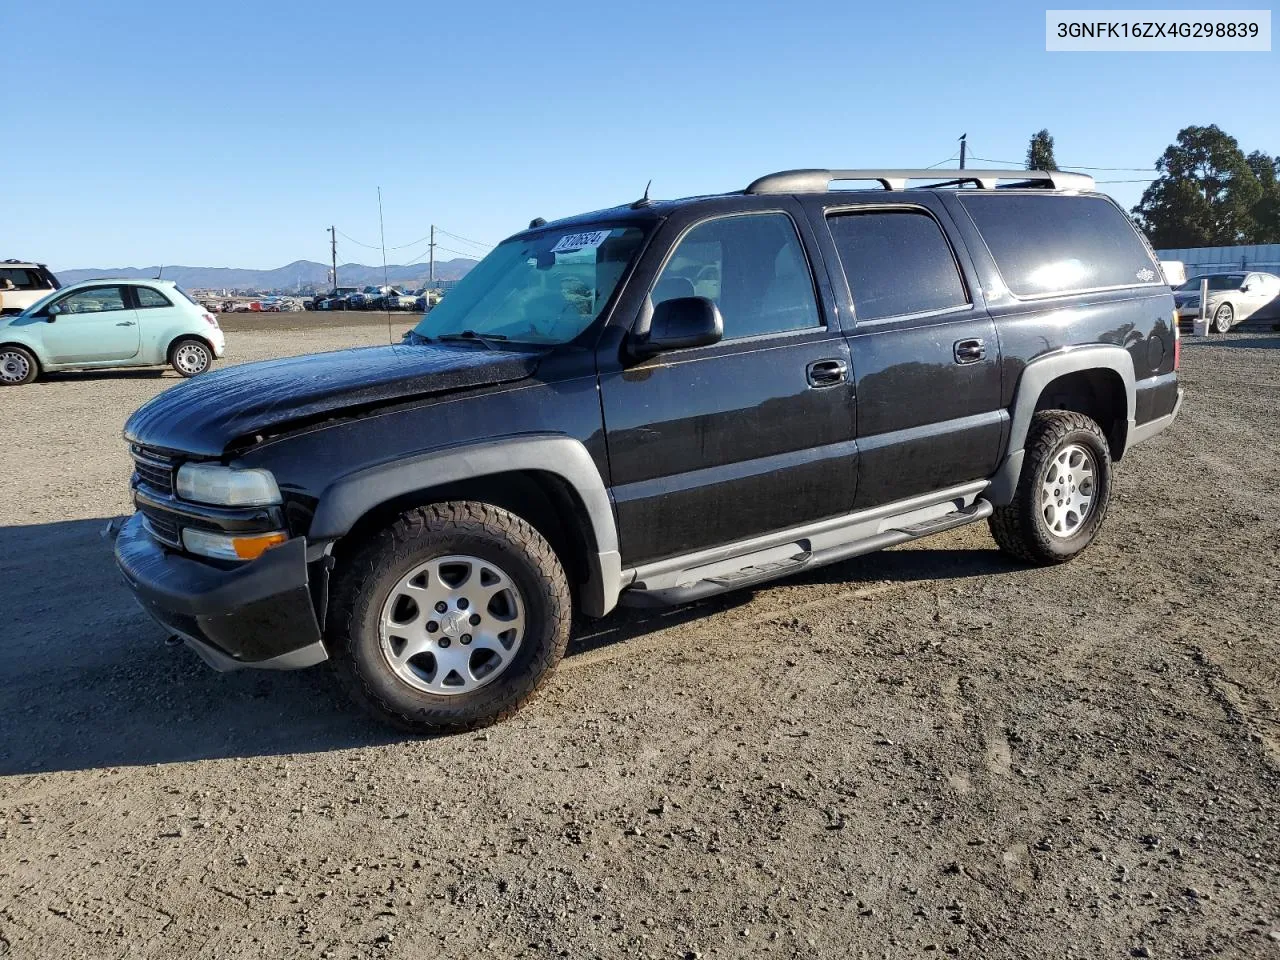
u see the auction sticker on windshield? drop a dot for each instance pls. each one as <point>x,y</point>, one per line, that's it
<point>581,241</point>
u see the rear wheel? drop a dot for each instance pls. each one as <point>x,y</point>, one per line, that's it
<point>450,618</point>
<point>17,366</point>
<point>190,357</point>
<point>1223,318</point>
<point>1063,493</point>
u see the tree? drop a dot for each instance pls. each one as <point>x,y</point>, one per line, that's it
<point>1266,212</point>
<point>1206,195</point>
<point>1040,152</point>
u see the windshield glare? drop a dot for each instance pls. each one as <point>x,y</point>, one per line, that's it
<point>1221,281</point>
<point>544,289</point>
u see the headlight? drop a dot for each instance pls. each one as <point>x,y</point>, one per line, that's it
<point>225,487</point>
<point>226,546</point>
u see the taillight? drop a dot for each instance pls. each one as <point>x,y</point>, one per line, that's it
<point>211,319</point>
<point>1177,343</point>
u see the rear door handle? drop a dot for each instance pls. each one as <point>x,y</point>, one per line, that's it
<point>969,351</point>
<point>125,323</point>
<point>827,373</point>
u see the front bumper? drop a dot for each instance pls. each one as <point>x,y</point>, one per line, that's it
<point>219,340</point>
<point>259,614</point>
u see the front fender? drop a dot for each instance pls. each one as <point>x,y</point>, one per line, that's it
<point>350,497</point>
<point>20,338</point>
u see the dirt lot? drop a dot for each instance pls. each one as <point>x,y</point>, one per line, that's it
<point>919,752</point>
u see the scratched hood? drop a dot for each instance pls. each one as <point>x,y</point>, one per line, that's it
<point>204,414</point>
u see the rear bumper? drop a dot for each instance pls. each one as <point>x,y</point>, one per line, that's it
<point>256,615</point>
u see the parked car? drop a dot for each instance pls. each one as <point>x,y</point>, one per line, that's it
<point>1233,298</point>
<point>22,284</point>
<point>395,299</point>
<point>109,323</point>
<point>650,405</point>
<point>335,299</point>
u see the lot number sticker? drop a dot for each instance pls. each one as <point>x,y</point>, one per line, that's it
<point>581,241</point>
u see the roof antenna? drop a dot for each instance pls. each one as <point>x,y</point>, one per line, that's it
<point>644,201</point>
<point>160,271</point>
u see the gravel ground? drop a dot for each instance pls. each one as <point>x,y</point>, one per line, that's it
<point>923,751</point>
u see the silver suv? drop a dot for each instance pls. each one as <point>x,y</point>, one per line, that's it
<point>22,284</point>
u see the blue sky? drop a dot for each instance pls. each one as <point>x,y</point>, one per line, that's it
<point>233,134</point>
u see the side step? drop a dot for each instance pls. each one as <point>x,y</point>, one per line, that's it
<point>765,565</point>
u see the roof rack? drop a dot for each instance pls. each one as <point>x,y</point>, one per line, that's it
<point>819,181</point>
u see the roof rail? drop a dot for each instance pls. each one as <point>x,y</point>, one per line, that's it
<point>819,181</point>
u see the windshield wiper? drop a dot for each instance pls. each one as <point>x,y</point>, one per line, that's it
<point>488,339</point>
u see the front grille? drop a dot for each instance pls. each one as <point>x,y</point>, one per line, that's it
<point>154,469</point>
<point>163,526</point>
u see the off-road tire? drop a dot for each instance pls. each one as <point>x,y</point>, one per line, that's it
<point>19,355</point>
<point>1019,528</point>
<point>1224,318</point>
<point>362,584</point>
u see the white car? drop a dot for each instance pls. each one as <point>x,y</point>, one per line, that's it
<point>22,284</point>
<point>99,324</point>
<point>1233,298</point>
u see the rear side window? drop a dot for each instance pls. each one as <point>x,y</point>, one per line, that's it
<point>148,297</point>
<point>752,266</point>
<point>1054,244</point>
<point>22,278</point>
<point>897,263</point>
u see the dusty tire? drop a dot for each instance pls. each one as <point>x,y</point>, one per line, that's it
<point>190,357</point>
<point>1223,318</point>
<point>410,692</point>
<point>1025,528</point>
<point>18,366</point>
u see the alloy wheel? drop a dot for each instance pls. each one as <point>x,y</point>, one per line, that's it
<point>14,367</point>
<point>452,625</point>
<point>1066,495</point>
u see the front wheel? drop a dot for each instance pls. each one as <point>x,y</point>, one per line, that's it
<point>17,366</point>
<point>190,357</point>
<point>1223,318</point>
<point>450,618</point>
<point>1063,493</point>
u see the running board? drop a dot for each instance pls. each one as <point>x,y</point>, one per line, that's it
<point>664,587</point>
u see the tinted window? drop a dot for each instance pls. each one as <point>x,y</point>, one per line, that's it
<point>151,298</point>
<point>897,262</point>
<point>21,279</point>
<point>93,300</point>
<point>753,267</point>
<point>1051,244</point>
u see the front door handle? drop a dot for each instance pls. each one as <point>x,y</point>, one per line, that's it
<point>125,323</point>
<point>969,351</point>
<point>827,373</point>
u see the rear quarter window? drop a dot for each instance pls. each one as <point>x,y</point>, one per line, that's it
<point>1051,244</point>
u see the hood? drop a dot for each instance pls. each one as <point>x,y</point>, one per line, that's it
<point>204,414</point>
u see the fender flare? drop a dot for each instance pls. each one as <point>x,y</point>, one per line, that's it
<point>352,496</point>
<point>1037,375</point>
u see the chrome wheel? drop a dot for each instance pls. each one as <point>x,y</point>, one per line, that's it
<point>1066,495</point>
<point>191,358</point>
<point>14,367</point>
<point>452,625</point>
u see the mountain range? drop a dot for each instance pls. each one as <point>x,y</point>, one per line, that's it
<point>304,273</point>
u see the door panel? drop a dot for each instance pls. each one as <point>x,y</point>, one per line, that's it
<point>733,442</point>
<point>95,326</point>
<point>925,420</point>
<point>925,354</point>
<point>714,444</point>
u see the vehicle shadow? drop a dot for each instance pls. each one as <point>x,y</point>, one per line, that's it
<point>122,373</point>
<point>89,681</point>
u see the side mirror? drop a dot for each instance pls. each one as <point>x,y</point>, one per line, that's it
<point>53,312</point>
<point>680,323</point>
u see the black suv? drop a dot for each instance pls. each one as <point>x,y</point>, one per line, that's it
<point>649,405</point>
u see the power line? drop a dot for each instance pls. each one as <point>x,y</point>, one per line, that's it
<point>487,246</point>
<point>1076,166</point>
<point>941,162</point>
<point>469,254</point>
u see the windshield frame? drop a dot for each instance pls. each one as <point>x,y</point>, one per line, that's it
<point>590,333</point>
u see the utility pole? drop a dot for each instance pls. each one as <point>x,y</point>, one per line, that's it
<point>962,146</point>
<point>432,276</point>
<point>333,254</point>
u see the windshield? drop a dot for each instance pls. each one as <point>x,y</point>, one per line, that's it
<point>542,289</point>
<point>1219,281</point>
<point>39,304</point>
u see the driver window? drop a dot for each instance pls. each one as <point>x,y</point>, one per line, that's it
<point>93,300</point>
<point>752,266</point>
